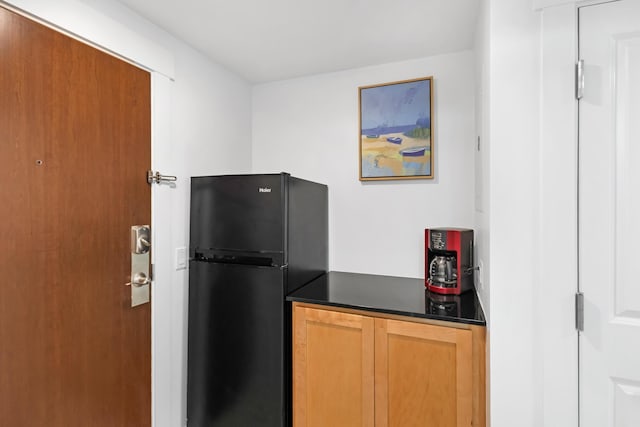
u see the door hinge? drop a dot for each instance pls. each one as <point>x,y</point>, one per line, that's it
<point>580,311</point>
<point>579,79</point>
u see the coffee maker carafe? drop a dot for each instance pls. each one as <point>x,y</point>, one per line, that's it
<point>449,260</point>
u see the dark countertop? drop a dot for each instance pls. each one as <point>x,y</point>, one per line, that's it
<point>388,294</point>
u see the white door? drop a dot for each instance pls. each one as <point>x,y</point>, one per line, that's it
<point>609,199</point>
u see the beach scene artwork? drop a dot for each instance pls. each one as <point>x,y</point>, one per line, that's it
<point>395,130</point>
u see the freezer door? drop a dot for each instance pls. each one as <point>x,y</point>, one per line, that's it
<point>236,362</point>
<point>238,212</point>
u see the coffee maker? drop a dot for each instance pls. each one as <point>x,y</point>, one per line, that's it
<point>449,260</point>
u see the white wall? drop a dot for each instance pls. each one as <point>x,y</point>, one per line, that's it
<point>482,183</point>
<point>309,128</point>
<point>533,199</point>
<point>514,123</point>
<point>201,126</point>
<point>482,165</point>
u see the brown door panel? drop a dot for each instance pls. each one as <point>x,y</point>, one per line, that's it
<point>75,138</point>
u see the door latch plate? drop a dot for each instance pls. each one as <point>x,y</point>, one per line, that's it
<point>140,276</point>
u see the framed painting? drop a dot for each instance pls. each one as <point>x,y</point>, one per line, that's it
<point>396,134</point>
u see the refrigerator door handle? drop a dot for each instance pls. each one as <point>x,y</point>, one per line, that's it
<point>258,261</point>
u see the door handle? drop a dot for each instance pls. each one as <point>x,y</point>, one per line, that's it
<point>140,277</point>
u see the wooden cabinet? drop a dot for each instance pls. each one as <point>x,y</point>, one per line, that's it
<point>364,369</point>
<point>333,368</point>
<point>423,373</point>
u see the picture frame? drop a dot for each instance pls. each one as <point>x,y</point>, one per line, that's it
<point>396,130</point>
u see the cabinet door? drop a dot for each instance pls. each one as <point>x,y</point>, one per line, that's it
<point>333,369</point>
<point>423,375</point>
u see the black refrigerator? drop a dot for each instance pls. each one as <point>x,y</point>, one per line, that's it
<point>253,240</point>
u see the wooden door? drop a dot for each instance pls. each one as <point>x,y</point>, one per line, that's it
<point>609,211</point>
<point>74,148</point>
<point>423,375</point>
<point>332,368</point>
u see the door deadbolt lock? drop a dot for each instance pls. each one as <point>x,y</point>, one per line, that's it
<point>140,277</point>
<point>140,239</point>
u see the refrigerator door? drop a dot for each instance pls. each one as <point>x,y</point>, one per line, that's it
<point>236,361</point>
<point>238,212</point>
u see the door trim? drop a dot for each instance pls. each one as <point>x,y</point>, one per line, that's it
<point>559,357</point>
<point>558,197</point>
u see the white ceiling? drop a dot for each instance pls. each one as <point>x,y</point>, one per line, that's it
<point>266,40</point>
